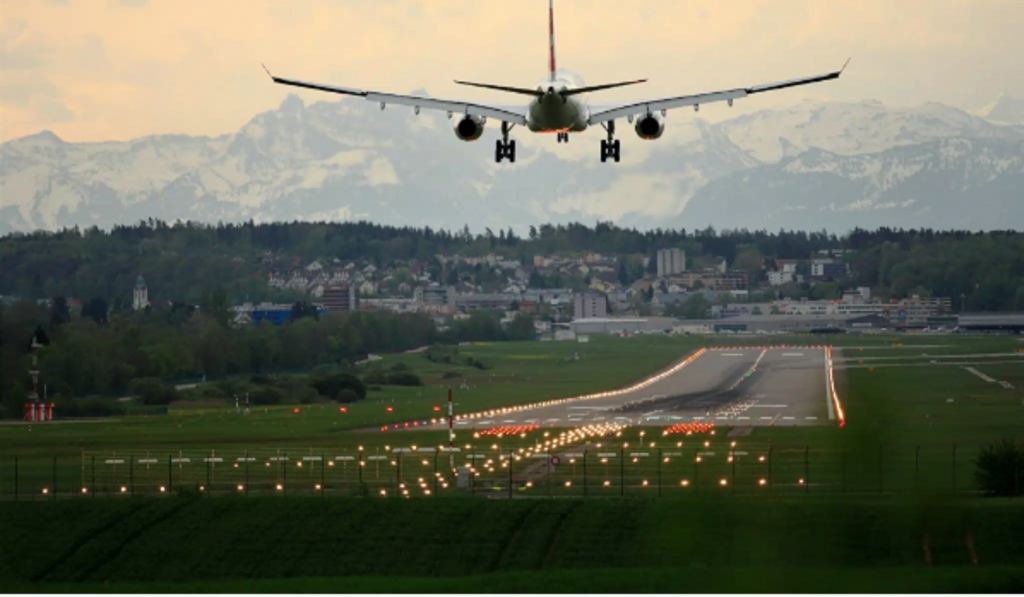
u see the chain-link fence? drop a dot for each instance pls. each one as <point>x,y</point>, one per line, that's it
<point>584,471</point>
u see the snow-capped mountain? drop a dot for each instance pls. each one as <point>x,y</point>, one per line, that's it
<point>975,184</point>
<point>1006,109</point>
<point>853,129</point>
<point>348,160</point>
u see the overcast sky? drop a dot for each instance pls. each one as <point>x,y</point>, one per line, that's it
<point>93,70</point>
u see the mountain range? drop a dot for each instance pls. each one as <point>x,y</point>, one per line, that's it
<point>815,165</point>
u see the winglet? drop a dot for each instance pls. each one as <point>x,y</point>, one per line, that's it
<point>845,65</point>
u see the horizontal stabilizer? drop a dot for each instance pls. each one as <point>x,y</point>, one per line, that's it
<point>518,90</point>
<point>600,87</point>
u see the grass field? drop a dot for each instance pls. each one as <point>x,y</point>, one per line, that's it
<point>904,424</point>
<point>700,543</point>
<point>868,507</point>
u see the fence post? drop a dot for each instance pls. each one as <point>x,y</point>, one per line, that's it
<point>547,451</point>
<point>584,474</point>
<point>54,477</point>
<point>843,467</point>
<point>880,474</point>
<point>361,469</point>
<point>696,470</point>
<point>917,477</point>
<point>659,472</point>
<point>954,469</point>
<point>732,453</point>
<point>622,471</point>
<point>807,469</point>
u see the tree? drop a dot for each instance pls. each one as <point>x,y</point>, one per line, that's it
<point>521,328</point>
<point>303,309</point>
<point>59,312</point>
<point>151,391</point>
<point>95,309</point>
<point>696,307</point>
<point>1001,469</point>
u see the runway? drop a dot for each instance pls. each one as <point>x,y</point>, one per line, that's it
<point>727,386</point>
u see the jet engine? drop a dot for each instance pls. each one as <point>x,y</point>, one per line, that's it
<point>470,128</point>
<point>650,126</point>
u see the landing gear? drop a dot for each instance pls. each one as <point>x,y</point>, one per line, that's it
<point>505,148</point>
<point>610,148</point>
<point>563,137</point>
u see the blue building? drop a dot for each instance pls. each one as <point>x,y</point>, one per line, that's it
<point>276,314</point>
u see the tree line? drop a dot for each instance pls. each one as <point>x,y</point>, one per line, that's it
<point>85,357</point>
<point>183,260</point>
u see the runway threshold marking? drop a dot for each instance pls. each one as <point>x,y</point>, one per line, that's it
<point>788,418</point>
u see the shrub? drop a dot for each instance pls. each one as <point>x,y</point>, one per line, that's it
<point>151,391</point>
<point>1001,469</point>
<point>330,385</point>
<point>260,379</point>
<point>266,395</point>
<point>451,375</point>
<point>404,378</point>
<point>400,367</point>
<point>477,364</point>
<point>373,388</point>
<point>346,396</point>
<point>376,377</point>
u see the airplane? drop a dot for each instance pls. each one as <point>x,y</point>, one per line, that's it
<point>558,105</point>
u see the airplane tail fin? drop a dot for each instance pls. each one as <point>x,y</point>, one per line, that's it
<point>551,29</point>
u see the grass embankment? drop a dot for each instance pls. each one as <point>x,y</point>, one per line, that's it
<point>699,543</point>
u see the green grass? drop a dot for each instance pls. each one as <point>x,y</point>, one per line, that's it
<point>232,543</point>
<point>684,579</point>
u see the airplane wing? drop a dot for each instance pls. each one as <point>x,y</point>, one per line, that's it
<point>600,114</point>
<point>512,114</point>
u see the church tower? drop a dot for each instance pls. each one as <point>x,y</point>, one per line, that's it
<point>140,295</point>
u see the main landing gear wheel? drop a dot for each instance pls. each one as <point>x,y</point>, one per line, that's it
<point>505,148</point>
<point>611,147</point>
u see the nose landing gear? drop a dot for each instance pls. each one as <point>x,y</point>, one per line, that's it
<point>611,147</point>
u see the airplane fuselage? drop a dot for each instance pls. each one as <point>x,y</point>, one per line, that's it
<point>552,113</point>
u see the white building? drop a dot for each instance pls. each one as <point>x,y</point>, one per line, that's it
<point>140,295</point>
<point>671,262</point>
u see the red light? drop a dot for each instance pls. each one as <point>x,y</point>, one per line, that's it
<point>343,409</point>
<point>391,410</point>
<point>437,409</point>
<point>296,411</point>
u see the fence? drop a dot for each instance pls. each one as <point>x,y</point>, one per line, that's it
<point>586,471</point>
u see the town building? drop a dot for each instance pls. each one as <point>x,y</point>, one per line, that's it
<point>671,262</point>
<point>588,306</point>
<point>343,298</point>
<point>140,295</point>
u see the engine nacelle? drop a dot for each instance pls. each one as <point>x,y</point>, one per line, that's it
<point>470,128</point>
<point>650,126</point>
